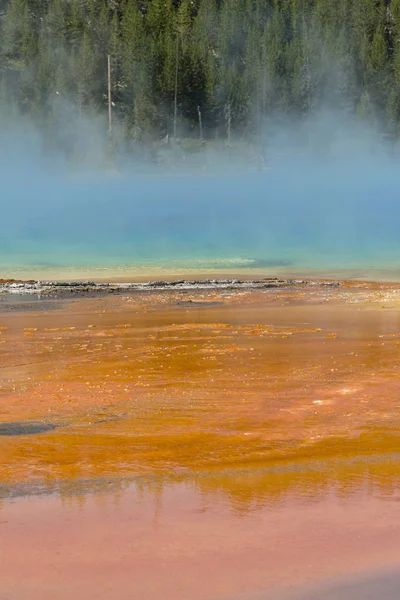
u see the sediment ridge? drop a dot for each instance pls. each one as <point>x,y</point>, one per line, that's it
<point>49,288</point>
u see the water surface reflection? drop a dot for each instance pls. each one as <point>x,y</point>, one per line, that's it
<point>249,447</point>
<point>214,536</point>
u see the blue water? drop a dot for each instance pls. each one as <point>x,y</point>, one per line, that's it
<point>300,219</point>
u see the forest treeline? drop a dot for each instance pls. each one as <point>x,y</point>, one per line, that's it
<point>203,69</point>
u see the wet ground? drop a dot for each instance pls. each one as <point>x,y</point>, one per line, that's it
<point>231,443</point>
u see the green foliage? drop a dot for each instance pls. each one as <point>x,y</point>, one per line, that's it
<point>240,63</point>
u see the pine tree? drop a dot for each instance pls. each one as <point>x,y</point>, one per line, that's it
<point>237,63</point>
<point>19,42</point>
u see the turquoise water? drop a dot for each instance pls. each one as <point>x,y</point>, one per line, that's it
<point>301,220</point>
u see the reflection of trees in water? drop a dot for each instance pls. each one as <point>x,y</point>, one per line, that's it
<point>241,490</point>
<point>73,491</point>
<point>247,491</point>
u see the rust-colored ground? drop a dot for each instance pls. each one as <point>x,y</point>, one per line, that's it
<point>234,444</point>
<point>176,382</point>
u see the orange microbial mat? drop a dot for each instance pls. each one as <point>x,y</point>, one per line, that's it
<point>204,444</point>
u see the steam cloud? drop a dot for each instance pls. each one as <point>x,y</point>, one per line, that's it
<point>329,204</point>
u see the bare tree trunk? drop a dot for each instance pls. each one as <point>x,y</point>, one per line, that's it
<point>307,65</point>
<point>176,86</point>
<point>200,123</point>
<point>228,119</point>
<point>109,94</point>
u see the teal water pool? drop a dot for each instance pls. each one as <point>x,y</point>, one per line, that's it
<point>333,221</point>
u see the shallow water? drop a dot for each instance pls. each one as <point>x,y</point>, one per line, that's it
<point>140,382</point>
<point>367,587</point>
<point>158,539</point>
<point>241,446</point>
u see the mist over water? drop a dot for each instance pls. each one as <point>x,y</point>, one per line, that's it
<point>304,213</point>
